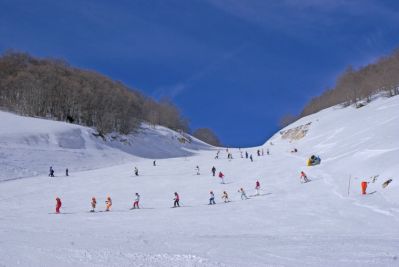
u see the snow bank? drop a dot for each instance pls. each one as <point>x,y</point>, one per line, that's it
<point>29,146</point>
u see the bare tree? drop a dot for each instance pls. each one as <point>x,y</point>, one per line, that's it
<point>208,136</point>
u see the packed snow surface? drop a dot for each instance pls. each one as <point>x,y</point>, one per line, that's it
<point>29,146</point>
<point>325,222</point>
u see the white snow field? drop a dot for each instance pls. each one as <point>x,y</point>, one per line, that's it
<point>29,146</point>
<point>289,224</point>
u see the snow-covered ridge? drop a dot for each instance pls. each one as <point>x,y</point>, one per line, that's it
<point>28,146</point>
<point>352,142</point>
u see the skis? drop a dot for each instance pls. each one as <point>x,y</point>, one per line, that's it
<point>260,195</point>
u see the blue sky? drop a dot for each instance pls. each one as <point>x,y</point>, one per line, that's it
<point>234,66</point>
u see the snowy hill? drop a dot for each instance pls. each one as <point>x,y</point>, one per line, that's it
<point>358,143</point>
<point>289,224</point>
<point>29,146</point>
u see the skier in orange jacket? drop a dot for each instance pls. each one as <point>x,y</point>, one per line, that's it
<point>108,203</point>
<point>364,187</point>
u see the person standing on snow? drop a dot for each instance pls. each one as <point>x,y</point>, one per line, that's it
<point>108,203</point>
<point>213,170</point>
<point>66,172</point>
<point>251,158</point>
<point>257,187</point>
<point>221,176</point>
<point>58,205</point>
<point>177,200</point>
<point>225,197</point>
<point>136,171</point>
<point>303,178</point>
<point>243,194</point>
<point>136,202</point>
<point>93,204</point>
<point>154,163</point>
<point>198,170</point>
<point>246,154</point>
<point>212,198</point>
<point>51,173</point>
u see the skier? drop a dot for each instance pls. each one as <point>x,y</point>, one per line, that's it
<point>177,200</point>
<point>213,170</point>
<point>51,174</point>
<point>154,163</point>
<point>243,194</point>
<point>303,178</point>
<point>136,202</point>
<point>198,170</point>
<point>258,151</point>
<point>66,172</point>
<point>386,183</point>
<point>251,158</point>
<point>108,203</point>
<point>225,197</point>
<point>246,154</point>
<point>58,205</point>
<point>267,151</point>
<point>221,176</point>
<point>364,187</point>
<point>212,198</point>
<point>93,204</point>
<point>136,171</point>
<point>257,187</point>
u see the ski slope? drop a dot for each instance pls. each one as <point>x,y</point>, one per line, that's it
<point>290,224</point>
<point>29,146</point>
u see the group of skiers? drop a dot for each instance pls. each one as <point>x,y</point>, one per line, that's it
<point>176,199</point>
<point>260,152</point>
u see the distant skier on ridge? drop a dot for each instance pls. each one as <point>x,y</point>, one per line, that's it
<point>136,171</point>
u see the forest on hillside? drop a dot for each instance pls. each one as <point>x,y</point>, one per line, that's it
<point>51,88</point>
<point>356,85</point>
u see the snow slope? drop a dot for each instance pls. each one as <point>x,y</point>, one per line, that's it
<point>29,146</point>
<point>290,224</point>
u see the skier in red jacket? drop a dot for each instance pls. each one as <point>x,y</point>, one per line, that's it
<point>257,187</point>
<point>304,178</point>
<point>58,205</point>
<point>221,176</point>
<point>176,199</point>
